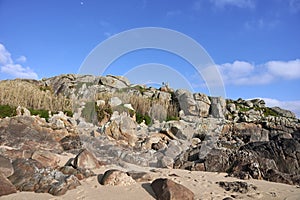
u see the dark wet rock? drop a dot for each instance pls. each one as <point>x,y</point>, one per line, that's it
<point>237,186</point>
<point>166,189</point>
<point>116,177</point>
<point>217,160</point>
<point>6,187</point>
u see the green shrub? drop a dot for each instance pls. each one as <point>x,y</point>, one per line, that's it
<point>140,118</point>
<point>7,111</point>
<point>41,113</point>
<point>69,113</point>
<point>172,118</point>
<point>103,111</point>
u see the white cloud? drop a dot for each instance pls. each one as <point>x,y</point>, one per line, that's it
<point>21,59</point>
<point>287,70</point>
<point>236,3</point>
<point>17,70</point>
<point>293,106</point>
<point>8,66</point>
<point>5,57</point>
<point>245,73</point>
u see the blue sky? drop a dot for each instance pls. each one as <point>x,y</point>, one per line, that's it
<point>254,43</point>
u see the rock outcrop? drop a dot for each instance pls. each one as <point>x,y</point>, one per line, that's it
<point>115,122</point>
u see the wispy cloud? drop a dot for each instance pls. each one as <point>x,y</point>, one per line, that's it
<point>21,59</point>
<point>293,106</point>
<point>261,24</point>
<point>8,66</point>
<point>245,73</point>
<point>235,3</point>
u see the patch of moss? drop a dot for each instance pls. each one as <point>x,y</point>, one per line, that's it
<point>270,112</point>
<point>244,109</point>
<point>41,113</point>
<point>7,111</point>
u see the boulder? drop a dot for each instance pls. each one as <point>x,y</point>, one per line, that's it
<point>115,81</point>
<point>187,102</point>
<point>140,176</point>
<point>70,142</point>
<point>47,158</point>
<point>6,187</point>
<point>22,111</point>
<point>86,160</point>
<point>30,175</point>
<point>217,107</point>
<point>6,167</point>
<point>115,177</point>
<point>27,134</point>
<point>203,104</point>
<point>122,128</point>
<point>250,132</point>
<point>158,112</point>
<point>115,101</point>
<point>283,112</point>
<point>166,189</point>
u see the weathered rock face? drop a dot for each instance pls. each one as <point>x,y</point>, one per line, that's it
<point>166,189</point>
<point>116,177</point>
<point>25,134</point>
<point>30,175</point>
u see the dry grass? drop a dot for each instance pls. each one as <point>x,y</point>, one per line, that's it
<point>156,108</point>
<point>29,94</point>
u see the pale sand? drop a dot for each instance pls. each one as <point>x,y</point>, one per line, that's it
<point>203,184</point>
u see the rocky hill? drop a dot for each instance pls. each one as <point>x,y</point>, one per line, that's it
<point>114,122</point>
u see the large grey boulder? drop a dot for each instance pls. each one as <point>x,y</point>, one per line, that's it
<point>218,107</point>
<point>203,104</point>
<point>115,81</point>
<point>187,102</point>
